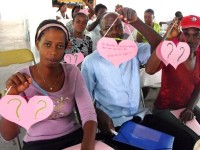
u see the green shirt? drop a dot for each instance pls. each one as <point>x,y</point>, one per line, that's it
<point>156,27</point>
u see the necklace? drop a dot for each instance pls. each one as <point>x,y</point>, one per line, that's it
<point>54,84</point>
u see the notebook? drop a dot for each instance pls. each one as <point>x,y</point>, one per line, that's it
<point>143,137</point>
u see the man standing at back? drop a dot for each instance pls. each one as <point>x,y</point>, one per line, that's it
<point>149,20</point>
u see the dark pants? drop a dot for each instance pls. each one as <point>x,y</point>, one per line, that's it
<point>108,139</point>
<point>57,143</point>
<point>184,140</point>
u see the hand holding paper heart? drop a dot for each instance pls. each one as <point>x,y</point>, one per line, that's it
<point>116,53</point>
<point>129,14</point>
<point>74,59</point>
<point>16,109</point>
<point>169,53</point>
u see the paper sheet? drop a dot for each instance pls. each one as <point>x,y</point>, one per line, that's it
<point>98,146</point>
<point>193,124</point>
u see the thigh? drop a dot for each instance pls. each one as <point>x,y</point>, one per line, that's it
<point>165,122</point>
<point>175,123</point>
<point>57,143</point>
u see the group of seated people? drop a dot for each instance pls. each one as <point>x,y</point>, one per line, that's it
<point>106,96</point>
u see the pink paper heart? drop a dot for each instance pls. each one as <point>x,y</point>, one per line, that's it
<point>173,54</point>
<point>116,53</point>
<point>159,55</point>
<point>16,109</point>
<point>85,11</point>
<point>74,59</point>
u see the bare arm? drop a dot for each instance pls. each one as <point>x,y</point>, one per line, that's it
<point>152,64</point>
<point>19,82</point>
<point>93,25</point>
<point>151,35</point>
<point>91,9</point>
<point>89,134</point>
<point>194,99</point>
<point>8,130</point>
<point>187,114</point>
<point>105,123</point>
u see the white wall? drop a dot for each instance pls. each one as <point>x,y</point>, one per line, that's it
<point>34,11</point>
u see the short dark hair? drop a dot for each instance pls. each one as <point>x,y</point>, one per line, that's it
<point>61,5</point>
<point>75,7</point>
<point>98,7</point>
<point>149,11</point>
<point>179,14</point>
<point>51,21</point>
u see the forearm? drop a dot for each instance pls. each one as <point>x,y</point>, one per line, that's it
<point>194,99</point>
<point>152,64</point>
<point>8,130</point>
<point>89,134</point>
<point>152,36</point>
<point>91,9</point>
<point>93,25</point>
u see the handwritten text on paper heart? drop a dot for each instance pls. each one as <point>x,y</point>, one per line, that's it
<point>116,53</point>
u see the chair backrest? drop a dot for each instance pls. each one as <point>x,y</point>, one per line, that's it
<point>17,56</point>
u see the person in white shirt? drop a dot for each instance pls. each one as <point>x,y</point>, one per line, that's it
<point>93,27</point>
<point>61,12</point>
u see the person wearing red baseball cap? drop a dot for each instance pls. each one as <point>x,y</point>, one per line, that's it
<point>180,87</point>
<point>190,26</point>
<point>190,21</point>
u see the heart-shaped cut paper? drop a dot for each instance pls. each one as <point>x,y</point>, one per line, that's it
<point>85,11</point>
<point>74,59</point>
<point>173,54</point>
<point>159,55</point>
<point>16,109</point>
<point>117,53</point>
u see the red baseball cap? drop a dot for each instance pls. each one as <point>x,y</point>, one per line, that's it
<point>190,21</point>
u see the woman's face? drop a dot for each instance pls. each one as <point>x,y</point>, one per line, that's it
<point>63,8</point>
<point>80,23</point>
<point>51,46</point>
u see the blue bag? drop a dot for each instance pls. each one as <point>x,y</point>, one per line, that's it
<point>143,137</point>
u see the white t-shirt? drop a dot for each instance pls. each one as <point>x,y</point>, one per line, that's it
<point>94,34</point>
